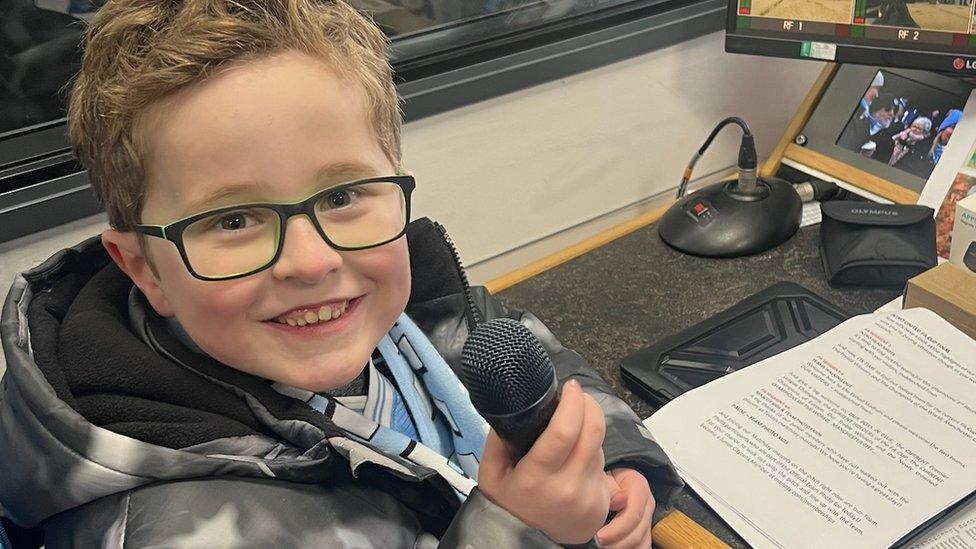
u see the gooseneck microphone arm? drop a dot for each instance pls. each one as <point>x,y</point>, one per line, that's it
<point>747,163</point>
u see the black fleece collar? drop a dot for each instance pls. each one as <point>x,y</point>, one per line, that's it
<point>163,392</point>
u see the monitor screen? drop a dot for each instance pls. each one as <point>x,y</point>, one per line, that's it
<point>928,34</point>
<point>902,122</point>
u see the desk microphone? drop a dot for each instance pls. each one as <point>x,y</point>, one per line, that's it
<point>511,381</point>
<point>742,216</point>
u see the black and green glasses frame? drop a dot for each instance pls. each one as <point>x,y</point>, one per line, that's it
<point>174,231</point>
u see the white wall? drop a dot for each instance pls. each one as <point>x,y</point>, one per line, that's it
<point>524,166</point>
<point>506,172</point>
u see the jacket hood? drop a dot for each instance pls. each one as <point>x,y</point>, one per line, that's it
<point>87,409</point>
<point>99,399</point>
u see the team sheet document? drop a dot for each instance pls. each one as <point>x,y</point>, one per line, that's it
<point>853,439</point>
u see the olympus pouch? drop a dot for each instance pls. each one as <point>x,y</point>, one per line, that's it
<point>868,244</point>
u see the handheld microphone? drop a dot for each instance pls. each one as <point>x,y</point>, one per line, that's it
<point>511,381</point>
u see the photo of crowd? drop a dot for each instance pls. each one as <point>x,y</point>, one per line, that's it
<point>902,123</point>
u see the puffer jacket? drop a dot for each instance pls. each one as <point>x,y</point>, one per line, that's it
<point>114,434</point>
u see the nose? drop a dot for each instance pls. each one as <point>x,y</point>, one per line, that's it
<point>305,256</point>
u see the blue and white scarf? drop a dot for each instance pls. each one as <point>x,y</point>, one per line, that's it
<point>424,414</point>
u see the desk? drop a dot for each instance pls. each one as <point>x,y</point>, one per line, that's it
<point>629,293</point>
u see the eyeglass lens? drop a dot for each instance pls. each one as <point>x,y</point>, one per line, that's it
<point>241,240</point>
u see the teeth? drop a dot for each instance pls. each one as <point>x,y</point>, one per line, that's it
<point>325,313</point>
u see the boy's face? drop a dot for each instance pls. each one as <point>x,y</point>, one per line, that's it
<point>277,130</point>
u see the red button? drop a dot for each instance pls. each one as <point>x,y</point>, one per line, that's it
<point>699,208</point>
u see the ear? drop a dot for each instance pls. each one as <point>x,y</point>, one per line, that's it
<point>124,249</point>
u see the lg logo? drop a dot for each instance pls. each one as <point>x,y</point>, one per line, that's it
<point>959,64</point>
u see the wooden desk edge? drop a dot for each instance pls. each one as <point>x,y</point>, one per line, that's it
<point>542,265</point>
<point>676,531</point>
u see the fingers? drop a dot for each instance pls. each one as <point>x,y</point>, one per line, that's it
<point>587,454</point>
<point>628,529</point>
<point>624,523</point>
<point>555,444</point>
<point>496,461</point>
<point>633,522</point>
<point>617,496</point>
<point>645,542</point>
<point>632,481</point>
<point>618,500</point>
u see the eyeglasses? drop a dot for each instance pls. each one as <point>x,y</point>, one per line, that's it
<point>238,241</point>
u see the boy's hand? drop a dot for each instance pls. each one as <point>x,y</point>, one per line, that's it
<point>634,504</point>
<point>560,486</point>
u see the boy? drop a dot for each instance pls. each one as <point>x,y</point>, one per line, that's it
<point>241,370</point>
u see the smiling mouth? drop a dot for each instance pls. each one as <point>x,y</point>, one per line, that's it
<point>304,317</point>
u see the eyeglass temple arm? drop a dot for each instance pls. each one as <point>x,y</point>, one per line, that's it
<point>151,230</point>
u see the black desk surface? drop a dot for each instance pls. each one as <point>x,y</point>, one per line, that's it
<point>636,290</point>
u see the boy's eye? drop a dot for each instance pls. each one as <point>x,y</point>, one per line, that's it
<point>238,221</point>
<point>339,199</point>
<point>233,222</point>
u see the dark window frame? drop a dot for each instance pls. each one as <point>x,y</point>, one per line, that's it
<point>41,185</point>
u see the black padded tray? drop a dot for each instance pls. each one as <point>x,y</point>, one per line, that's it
<point>762,325</point>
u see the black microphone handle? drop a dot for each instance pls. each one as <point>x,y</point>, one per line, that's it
<point>520,430</point>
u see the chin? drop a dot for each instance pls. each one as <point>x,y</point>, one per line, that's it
<point>324,377</point>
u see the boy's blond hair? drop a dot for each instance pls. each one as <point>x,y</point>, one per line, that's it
<point>139,51</point>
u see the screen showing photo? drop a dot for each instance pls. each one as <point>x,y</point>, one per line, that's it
<point>902,123</point>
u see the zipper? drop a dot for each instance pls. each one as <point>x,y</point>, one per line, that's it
<point>4,540</point>
<point>473,316</point>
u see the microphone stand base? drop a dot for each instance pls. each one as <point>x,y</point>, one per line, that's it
<point>718,222</point>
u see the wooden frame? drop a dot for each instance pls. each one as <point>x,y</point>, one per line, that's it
<point>788,149</point>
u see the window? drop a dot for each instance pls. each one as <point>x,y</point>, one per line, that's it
<point>445,53</point>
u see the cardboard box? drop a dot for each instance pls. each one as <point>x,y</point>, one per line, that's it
<point>948,291</point>
<point>962,250</point>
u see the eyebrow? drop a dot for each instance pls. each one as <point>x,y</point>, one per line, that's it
<point>339,172</point>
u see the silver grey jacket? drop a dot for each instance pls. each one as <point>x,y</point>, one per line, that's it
<point>112,435</point>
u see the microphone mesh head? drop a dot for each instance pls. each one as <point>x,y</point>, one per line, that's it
<point>504,367</point>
